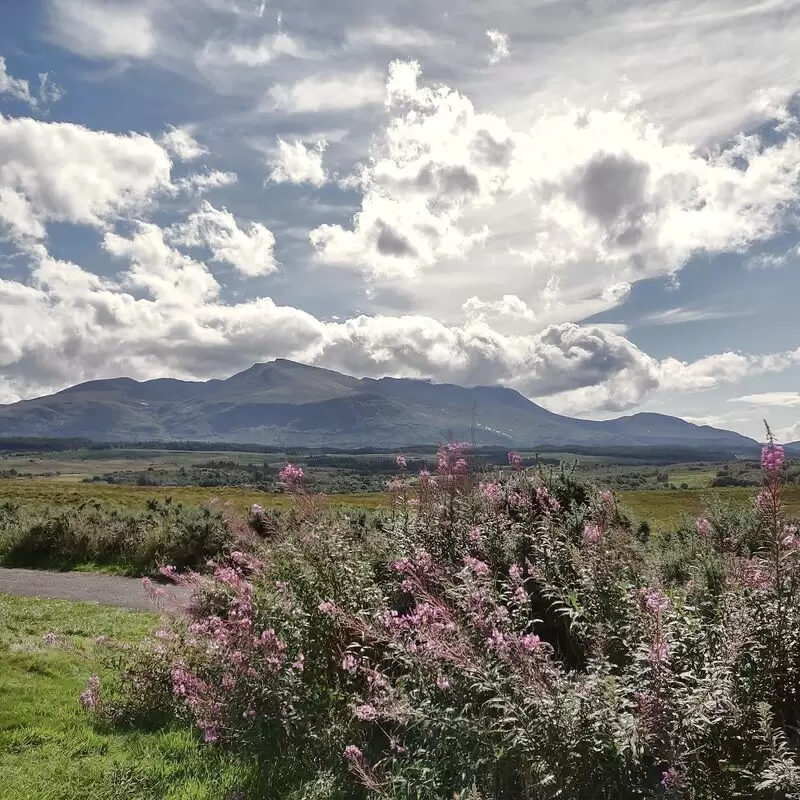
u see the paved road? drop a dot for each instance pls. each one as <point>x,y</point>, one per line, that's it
<point>110,590</point>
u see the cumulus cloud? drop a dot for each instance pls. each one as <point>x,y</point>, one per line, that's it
<point>162,315</point>
<point>101,30</point>
<point>180,143</point>
<point>60,172</point>
<point>295,162</point>
<point>581,193</point>
<point>499,46</point>
<point>249,251</point>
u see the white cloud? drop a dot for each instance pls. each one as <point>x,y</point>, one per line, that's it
<point>769,399</point>
<point>790,434</point>
<point>584,194</point>
<point>180,143</point>
<point>294,162</point>
<point>679,316</point>
<point>101,30</point>
<point>318,93</point>
<point>67,173</point>
<point>17,88</point>
<point>249,251</point>
<point>390,37</point>
<point>201,182</point>
<point>166,274</point>
<point>259,53</point>
<point>499,46</point>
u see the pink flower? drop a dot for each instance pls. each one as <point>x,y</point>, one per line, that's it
<point>291,475</point>
<point>763,500</point>
<point>424,478</point>
<point>326,607</point>
<point>654,601</point>
<point>90,699</point>
<point>592,533</point>
<point>530,642</point>
<point>607,497</point>
<point>515,572</point>
<point>492,493</point>
<point>401,462</point>
<point>366,713</point>
<point>515,460</point>
<point>442,683</point>
<point>256,510</point>
<point>790,537</point>
<point>703,527</point>
<point>350,663</point>
<point>397,486</point>
<point>659,652</point>
<point>672,781</point>
<point>546,500</point>
<point>353,754</point>
<point>210,733</point>
<point>475,537</point>
<point>476,565</point>
<point>772,457</point>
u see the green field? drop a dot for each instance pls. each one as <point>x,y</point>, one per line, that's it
<point>50,749</point>
<point>667,507</point>
<point>660,507</point>
<point>32,491</point>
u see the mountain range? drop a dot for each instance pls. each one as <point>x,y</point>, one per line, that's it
<point>289,404</point>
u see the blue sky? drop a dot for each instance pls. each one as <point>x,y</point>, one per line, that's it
<point>593,202</point>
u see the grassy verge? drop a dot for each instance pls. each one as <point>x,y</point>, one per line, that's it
<point>50,750</point>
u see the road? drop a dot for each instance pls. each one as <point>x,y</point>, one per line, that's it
<point>90,587</point>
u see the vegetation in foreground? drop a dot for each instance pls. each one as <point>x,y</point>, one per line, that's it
<point>52,750</point>
<point>503,639</point>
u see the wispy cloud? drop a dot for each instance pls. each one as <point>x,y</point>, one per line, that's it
<point>680,316</point>
<point>769,399</point>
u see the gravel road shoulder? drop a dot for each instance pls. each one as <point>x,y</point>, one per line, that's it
<point>87,587</point>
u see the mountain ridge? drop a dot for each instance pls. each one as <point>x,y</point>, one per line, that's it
<point>284,402</point>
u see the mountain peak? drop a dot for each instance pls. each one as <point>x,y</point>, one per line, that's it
<point>293,404</point>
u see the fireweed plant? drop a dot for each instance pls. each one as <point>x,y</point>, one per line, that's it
<point>498,637</point>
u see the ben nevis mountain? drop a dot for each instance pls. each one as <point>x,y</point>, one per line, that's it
<point>288,404</point>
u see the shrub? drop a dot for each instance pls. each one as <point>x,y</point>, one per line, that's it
<point>505,638</point>
<point>136,542</point>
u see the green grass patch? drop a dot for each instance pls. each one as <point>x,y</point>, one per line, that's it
<point>41,491</point>
<point>666,507</point>
<point>50,749</point>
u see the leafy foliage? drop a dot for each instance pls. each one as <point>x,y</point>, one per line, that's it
<point>497,638</point>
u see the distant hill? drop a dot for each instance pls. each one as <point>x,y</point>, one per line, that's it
<point>283,403</point>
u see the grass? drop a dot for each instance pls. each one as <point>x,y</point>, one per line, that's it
<point>35,491</point>
<point>666,507</point>
<point>82,464</point>
<point>657,506</point>
<point>51,750</point>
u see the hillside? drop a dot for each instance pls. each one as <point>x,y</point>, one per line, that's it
<point>288,404</point>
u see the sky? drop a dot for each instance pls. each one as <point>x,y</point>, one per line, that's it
<point>595,203</point>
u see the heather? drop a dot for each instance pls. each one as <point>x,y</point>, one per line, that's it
<point>516,636</point>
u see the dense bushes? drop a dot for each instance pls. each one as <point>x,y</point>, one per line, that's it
<point>137,543</point>
<point>496,640</point>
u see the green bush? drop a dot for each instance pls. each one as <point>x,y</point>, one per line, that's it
<point>137,543</point>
